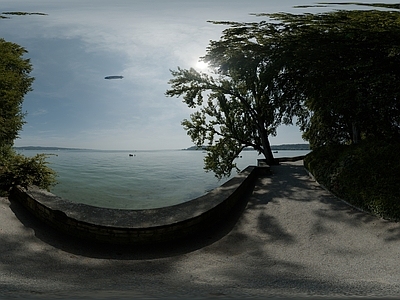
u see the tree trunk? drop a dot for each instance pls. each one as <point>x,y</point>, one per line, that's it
<point>356,136</point>
<point>267,151</point>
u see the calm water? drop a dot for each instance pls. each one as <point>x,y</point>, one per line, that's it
<point>150,179</point>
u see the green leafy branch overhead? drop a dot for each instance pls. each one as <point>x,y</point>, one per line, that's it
<point>336,72</point>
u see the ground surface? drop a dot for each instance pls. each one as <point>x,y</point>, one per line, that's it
<point>289,238</point>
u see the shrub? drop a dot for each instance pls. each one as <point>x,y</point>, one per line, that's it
<point>17,169</point>
<point>366,175</point>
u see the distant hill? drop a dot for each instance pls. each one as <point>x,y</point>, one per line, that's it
<point>291,147</point>
<point>196,148</point>
<point>273,147</point>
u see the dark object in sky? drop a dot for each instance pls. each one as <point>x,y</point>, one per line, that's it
<point>113,77</point>
<point>22,13</point>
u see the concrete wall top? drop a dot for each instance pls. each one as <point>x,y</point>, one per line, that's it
<point>139,218</point>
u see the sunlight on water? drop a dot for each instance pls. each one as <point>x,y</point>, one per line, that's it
<point>150,179</point>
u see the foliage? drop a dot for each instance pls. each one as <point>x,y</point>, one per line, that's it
<point>379,5</point>
<point>337,72</point>
<point>15,82</point>
<point>345,64</point>
<point>244,104</point>
<point>17,169</point>
<point>366,175</point>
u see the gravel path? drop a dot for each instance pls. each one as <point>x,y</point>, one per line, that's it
<point>289,238</point>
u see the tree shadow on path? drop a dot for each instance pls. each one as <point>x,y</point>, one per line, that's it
<point>291,182</point>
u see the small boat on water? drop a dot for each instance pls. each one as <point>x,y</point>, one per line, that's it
<point>130,154</point>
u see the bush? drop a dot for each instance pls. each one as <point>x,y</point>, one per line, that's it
<point>366,175</point>
<point>17,169</point>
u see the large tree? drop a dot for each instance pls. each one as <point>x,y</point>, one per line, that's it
<point>346,64</point>
<point>239,102</point>
<point>15,82</point>
<point>338,72</point>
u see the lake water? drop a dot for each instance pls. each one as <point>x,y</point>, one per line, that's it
<point>149,179</point>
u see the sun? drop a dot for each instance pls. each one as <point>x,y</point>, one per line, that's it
<point>201,65</point>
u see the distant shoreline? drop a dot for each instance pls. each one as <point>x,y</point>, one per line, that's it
<point>48,148</point>
<point>291,147</point>
<point>273,147</point>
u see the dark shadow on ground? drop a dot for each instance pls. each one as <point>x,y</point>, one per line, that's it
<point>293,183</point>
<point>295,180</point>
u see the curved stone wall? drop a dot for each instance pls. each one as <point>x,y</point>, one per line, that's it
<point>137,226</point>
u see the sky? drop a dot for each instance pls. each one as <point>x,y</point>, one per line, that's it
<point>79,42</point>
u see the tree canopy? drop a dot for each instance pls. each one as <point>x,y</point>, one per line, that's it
<point>337,72</point>
<point>15,82</point>
<point>346,65</point>
<point>239,102</point>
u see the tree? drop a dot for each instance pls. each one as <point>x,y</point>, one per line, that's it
<point>337,72</point>
<point>346,65</point>
<point>15,82</point>
<point>239,102</point>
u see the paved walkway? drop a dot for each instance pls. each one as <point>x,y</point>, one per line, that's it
<point>291,239</point>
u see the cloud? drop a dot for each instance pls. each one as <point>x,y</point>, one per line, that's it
<point>39,112</point>
<point>81,41</point>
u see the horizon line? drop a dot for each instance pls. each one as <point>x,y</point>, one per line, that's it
<point>93,149</point>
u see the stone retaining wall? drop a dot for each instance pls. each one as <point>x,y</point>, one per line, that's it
<point>121,226</point>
